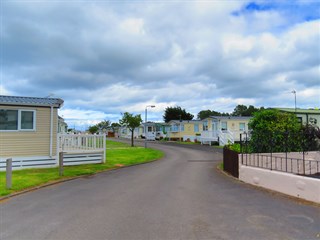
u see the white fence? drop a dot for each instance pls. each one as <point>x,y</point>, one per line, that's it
<point>77,149</point>
<point>82,148</point>
<point>80,142</point>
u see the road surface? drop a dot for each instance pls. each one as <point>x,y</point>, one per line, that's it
<point>182,196</point>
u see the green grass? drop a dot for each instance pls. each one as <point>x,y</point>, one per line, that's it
<point>113,144</point>
<point>217,146</point>
<point>119,155</point>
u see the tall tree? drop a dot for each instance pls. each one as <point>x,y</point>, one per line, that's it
<point>115,126</point>
<point>131,122</point>
<point>176,113</point>
<point>93,129</point>
<point>242,110</point>
<point>103,125</point>
<point>207,113</point>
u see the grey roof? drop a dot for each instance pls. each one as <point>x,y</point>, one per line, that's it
<point>231,117</point>
<point>30,101</point>
<point>185,121</point>
<point>299,110</point>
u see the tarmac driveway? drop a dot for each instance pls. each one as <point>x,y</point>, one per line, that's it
<point>182,196</point>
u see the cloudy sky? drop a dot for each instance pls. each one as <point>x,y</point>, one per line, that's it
<point>108,57</point>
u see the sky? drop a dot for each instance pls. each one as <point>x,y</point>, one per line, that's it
<point>104,58</point>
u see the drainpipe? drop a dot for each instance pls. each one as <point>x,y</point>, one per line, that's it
<point>51,130</point>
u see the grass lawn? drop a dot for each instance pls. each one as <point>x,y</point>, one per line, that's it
<point>118,155</point>
<point>113,144</point>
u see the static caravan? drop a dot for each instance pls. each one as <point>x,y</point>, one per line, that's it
<point>186,130</point>
<point>305,116</point>
<point>224,129</point>
<point>28,131</point>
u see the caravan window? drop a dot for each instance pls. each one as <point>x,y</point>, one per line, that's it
<point>196,127</point>
<point>8,119</point>
<point>205,126</point>
<point>224,126</point>
<point>242,127</point>
<point>17,120</point>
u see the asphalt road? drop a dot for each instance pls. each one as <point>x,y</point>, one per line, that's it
<point>182,196</point>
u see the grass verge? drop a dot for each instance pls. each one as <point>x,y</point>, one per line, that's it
<point>118,155</point>
<point>220,166</point>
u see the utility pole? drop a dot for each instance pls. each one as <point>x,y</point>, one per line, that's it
<point>295,100</point>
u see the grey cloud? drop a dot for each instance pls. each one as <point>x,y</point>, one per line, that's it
<point>108,56</point>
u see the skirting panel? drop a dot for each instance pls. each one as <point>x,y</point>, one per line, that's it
<point>29,162</point>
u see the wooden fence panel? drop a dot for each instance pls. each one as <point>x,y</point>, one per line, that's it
<point>231,162</point>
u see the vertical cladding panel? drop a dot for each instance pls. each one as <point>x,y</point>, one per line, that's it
<point>30,143</point>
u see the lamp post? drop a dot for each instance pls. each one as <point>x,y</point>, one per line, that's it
<point>295,100</point>
<point>180,128</point>
<point>145,124</point>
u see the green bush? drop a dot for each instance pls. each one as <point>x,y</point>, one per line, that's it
<point>234,147</point>
<point>274,131</point>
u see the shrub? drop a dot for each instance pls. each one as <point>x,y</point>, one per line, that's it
<point>271,129</point>
<point>234,147</point>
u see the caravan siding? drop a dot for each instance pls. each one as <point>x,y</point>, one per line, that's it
<point>237,127</point>
<point>30,143</point>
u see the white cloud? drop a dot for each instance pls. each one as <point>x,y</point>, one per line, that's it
<point>104,58</point>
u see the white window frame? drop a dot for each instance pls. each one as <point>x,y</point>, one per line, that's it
<point>226,126</point>
<point>196,127</point>
<point>205,125</point>
<point>244,127</point>
<point>19,120</point>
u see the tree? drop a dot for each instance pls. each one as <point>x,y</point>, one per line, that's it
<point>93,129</point>
<point>114,126</point>
<point>131,122</point>
<point>311,138</point>
<point>242,110</point>
<point>207,113</point>
<point>103,125</point>
<point>272,130</point>
<point>176,113</point>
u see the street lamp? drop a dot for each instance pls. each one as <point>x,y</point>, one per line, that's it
<point>295,100</point>
<point>145,124</point>
<point>180,128</point>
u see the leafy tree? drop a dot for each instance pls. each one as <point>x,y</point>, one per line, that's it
<point>207,113</point>
<point>176,113</point>
<point>103,125</point>
<point>242,110</point>
<point>131,122</point>
<point>114,126</point>
<point>310,138</point>
<point>93,129</point>
<point>272,130</point>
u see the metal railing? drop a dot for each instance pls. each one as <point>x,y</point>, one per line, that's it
<point>288,155</point>
<point>283,162</point>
